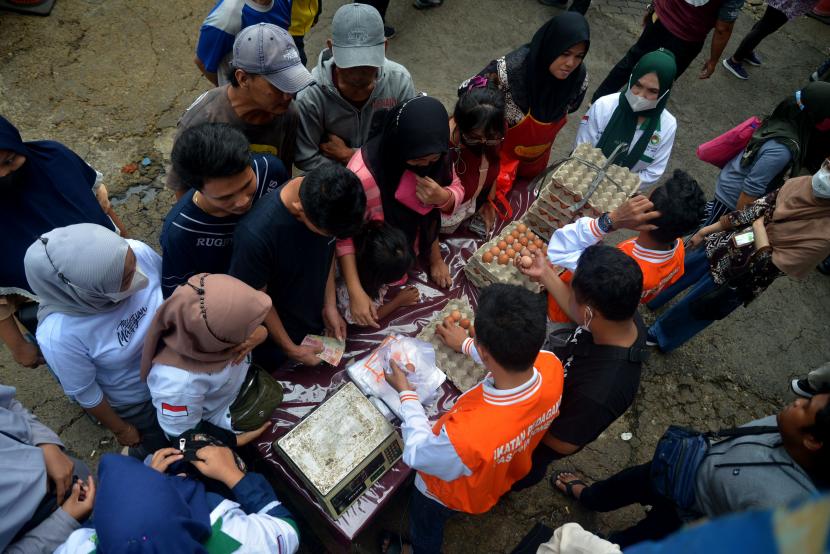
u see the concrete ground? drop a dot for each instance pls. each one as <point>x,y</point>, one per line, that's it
<point>110,79</point>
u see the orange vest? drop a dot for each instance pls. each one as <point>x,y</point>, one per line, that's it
<point>494,436</point>
<point>658,273</point>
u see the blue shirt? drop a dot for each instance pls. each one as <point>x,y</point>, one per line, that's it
<point>772,158</point>
<point>194,242</point>
<point>227,18</point>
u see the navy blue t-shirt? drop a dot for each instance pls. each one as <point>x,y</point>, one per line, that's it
<point>273,249</point>
<point>194,242</point>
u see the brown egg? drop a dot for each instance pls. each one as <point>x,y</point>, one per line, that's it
<point>465,323</point>
<point>510,239</point>
<point>502,244</point>
<point>515,234</point>
<point>503,259</point>
<point>449,321</point>
<point>495,250</point>
<point>525,251</point>
<point>531,247</point>
<point>523,241</point>
<point>510,253</point>
<point>522,228</point>
<point>487,257</point>
<point>455,315</point>
<point>526,261</point>
<point>539,243</point>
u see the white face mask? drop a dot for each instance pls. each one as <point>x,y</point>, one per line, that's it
<point>697,3</point>
<point>638,103</point>
<point>139,282</point>
<point>821,183</point>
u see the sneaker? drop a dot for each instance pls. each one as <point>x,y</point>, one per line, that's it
<point>554,3</point>
<point>651,340</point>
<point>425,4</point>
<point>753,59</point>
<point>735,69</point>
<point>802,388</point>
<point>388,32</point>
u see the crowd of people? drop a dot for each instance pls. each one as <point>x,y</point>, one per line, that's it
<point>256,255</point>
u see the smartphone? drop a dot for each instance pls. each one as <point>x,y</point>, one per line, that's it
<point>744,238</point>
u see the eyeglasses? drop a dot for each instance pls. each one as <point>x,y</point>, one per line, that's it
<point>481,141</point>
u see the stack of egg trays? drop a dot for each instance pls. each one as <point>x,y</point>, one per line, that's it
<point>460,368</point>
<point>483,274</point>
<point>570,182</point>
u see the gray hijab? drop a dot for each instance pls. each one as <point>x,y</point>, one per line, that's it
<point>72,269</point>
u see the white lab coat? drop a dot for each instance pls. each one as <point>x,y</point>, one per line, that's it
<point>652,163</point>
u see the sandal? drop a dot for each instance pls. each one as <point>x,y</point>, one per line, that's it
<point>569,491</point>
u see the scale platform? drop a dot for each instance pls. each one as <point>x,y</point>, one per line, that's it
<point>341,448</point>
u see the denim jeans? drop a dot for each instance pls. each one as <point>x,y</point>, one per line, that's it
<point>633,486</point>
<point>677,325</point>
<point>426,523</point>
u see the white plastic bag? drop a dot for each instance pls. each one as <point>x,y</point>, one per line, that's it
<point>369,373</point>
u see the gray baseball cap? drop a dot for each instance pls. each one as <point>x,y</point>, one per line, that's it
<point>267,50</point>
<point>357,36</point>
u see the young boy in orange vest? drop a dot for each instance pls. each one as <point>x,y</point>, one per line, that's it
<point>477,450</point>
<point>670,212</point>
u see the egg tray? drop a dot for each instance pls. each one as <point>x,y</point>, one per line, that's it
<point>460,368</point>
<point>565,188</point>
<point>482,274</point>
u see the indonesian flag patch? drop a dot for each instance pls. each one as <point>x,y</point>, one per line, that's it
<point>170,410</point>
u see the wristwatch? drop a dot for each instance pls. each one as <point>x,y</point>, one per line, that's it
<point>604,223</point>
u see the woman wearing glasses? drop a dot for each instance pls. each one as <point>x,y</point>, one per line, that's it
<point>637,117</point>
<point>98,293</point>
<point>477,130</point>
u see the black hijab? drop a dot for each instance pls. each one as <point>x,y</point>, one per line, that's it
<point>793,124</point>
<point>414,128</point>
<point>548,96</point>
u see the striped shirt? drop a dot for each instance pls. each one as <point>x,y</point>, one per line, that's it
<point>194,242</point>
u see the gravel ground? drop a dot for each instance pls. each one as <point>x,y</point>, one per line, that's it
<point>113,78</point>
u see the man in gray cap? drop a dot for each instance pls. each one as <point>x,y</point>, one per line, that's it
<point>267,75</point>
<point>353,80</point>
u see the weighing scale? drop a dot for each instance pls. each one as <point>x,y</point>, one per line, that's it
<point>341,448</point>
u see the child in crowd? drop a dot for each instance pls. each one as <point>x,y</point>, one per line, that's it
<point>382,257</point>
<point>477,130</point>
<point>671,211</point>
<point>195,358</point>
<point>478,449</point>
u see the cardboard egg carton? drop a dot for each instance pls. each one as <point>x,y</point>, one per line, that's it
<point>566,187</point>
<point>482,274</point>
<point>460,368</point>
